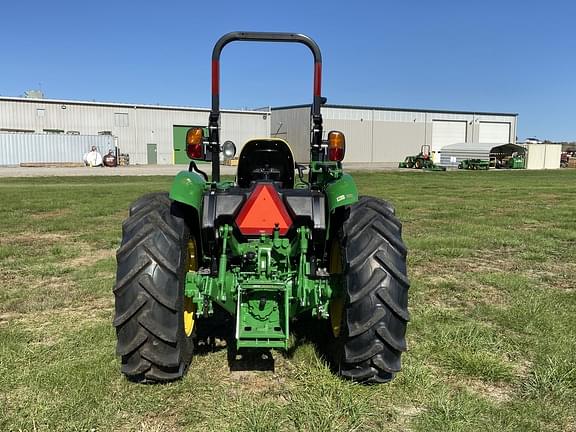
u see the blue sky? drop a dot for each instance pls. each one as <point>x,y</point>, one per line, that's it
<point>502,56</point>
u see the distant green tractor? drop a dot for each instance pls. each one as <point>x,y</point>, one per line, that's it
<point>239,260</point>
<point>515,161</point>
<point>421,161</point>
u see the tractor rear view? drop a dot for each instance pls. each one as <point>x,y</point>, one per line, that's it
<point>252,254</point>
<point>421,161</point>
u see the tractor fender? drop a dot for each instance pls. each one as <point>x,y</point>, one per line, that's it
<point>188,188</point>
<point>341,192</point>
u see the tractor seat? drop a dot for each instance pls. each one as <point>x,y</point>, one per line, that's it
<point>266,160</point>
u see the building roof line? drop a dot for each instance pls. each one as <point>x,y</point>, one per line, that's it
<point>124,105</point>
<point>380,108</point>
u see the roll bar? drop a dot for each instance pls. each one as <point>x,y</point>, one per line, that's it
<point>316,138</point>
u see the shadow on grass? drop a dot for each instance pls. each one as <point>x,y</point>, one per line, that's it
<point>318,333</point>
<point>218,335</point>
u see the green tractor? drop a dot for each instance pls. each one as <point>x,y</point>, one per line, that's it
<point>245,258</point>
<point>515,161</point>
<point>421,161</point>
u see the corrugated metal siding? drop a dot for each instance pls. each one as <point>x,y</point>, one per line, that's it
<point>393,141</point>
<point>358,137</point>
<point>451,158</point>
<point>451,155</point>
<point>543,156</point>
<point>553,152</point>
<point>235,127</point>
<point>377,134</point>
<point>146,124</point>
<point>17,148</point>
<point>293,125</point>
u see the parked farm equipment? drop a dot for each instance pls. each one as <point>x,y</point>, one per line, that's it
<point>474,164</point>
<point>421,161</point>
<point>256,252</point>
<point>515,161</point>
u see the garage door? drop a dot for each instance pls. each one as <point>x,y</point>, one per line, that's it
<point>495,133</point>
<point>446,132</point>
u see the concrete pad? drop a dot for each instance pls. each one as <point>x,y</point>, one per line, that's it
<point>150,170</point>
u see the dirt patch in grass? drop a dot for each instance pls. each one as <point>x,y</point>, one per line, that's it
<point>29,238</point>
<point>51,214</point>
<point>27,295</point>
<point>89,257</point>
<point>450,291</point>
<point>157,425</point>
<point>257,381</point>
<point>561,276</point>
<point>92,309</point>
<point>268,383</point>
<point>523,369</point>
<point>411,411</point>
<point>156,422</point>
<point>24,293</point>
<point>406,414</point>
<point>5,318</point>
<point>491,261</point>
<point>11,277</point>
<point>495,392</point>
<point>51,325</point>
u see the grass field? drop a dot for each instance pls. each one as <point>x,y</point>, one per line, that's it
<point>492,341</point>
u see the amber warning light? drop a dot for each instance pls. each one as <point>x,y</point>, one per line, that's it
<point>195,143</point>
<point>336,146</point>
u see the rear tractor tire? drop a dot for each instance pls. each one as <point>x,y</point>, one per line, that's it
<point>153,327</point>
<point>370,317</point>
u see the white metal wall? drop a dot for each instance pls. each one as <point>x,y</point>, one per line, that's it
<point>446,132</point>
<point>358,128</point>
<point>293,126</point>
<point>135,126</point>
<point>377,134</point>
<point>543,156</point>
<point>17,148</point>
<point>494,132</point>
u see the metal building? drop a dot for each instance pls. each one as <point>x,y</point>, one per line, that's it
<point>19,148</point>
<point>452,154</point>
<point>150,134</point>
<point>377,134</point>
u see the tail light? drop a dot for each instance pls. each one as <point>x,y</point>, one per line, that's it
<point>195,143</point>
<point>336,146</point>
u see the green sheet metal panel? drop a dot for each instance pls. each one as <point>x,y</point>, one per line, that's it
<point>179,143</point>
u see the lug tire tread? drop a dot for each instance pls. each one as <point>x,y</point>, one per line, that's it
<point>149,292</point>
<point>375,315</point>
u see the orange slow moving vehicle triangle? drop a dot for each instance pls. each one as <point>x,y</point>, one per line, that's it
<point>263,210</point>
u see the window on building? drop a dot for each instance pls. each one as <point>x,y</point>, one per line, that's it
<point>121,119</point>
<point>40,112</point>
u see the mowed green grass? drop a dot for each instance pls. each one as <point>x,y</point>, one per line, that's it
<point>492,340</point>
